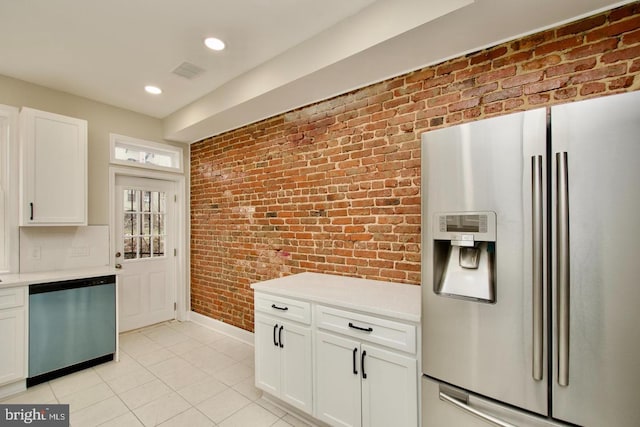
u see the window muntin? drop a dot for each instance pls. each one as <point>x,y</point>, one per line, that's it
<point>144,224</point>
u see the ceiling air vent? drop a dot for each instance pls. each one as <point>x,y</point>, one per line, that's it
<point>188,70</point>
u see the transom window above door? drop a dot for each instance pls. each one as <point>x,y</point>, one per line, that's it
<point>145,154</point>
<point>144,224</point>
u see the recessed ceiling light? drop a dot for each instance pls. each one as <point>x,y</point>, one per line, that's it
<point>214,43</point>
<point>153,89</point>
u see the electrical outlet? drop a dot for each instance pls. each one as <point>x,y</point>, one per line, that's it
<point>35,252</point>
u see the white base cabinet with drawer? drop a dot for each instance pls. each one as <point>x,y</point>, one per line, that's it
<point>361,384</point>
<point>13,315</point>
<point>341,350</point>
<point>283,356</point>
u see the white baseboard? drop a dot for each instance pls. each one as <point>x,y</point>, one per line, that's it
<point>13,388</point>
<point>224,328</point>
<point>293,411</point>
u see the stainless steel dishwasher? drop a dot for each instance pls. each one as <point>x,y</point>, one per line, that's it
<point>72,326</point>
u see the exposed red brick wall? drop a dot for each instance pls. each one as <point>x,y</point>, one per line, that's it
<point>335,187</point>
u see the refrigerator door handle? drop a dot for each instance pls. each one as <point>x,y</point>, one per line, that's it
<point>537,266</point>
<point>562,260</point>
<point>465,407</point>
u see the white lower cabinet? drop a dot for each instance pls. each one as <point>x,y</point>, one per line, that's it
<point>362,385</point>
<point>284,360</point>
<point>338,389</point>
<point>13,315</point>
<point>342,364</point>
<point>390,390</point>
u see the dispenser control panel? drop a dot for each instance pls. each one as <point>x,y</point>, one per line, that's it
<point>464,252</point>
<point>463,223</point>
<point>465,226</point>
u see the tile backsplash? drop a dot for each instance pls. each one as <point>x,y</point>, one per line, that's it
<point>63,248</point>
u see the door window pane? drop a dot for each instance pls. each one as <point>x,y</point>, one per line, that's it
<point>158,246</point>
<point>158,224</point>
<point>144,224</point>
<point>130,200</point>
<point>146,201</point>
<point>158,201</point>
<point>130,224</point>
<point>145,247</point>
<point>131,248</point>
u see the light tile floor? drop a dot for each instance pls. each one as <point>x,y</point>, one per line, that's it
<point>172,374</point>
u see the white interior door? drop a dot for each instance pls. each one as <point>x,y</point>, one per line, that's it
<point>145,241</point>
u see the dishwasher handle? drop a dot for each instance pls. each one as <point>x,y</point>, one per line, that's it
<point>41,288</point>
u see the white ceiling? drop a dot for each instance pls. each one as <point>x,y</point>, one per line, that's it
<point>280,54</point>
<point>108,50</point>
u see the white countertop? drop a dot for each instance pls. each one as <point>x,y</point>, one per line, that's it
<point>22,279</point>
<point>372,296</point>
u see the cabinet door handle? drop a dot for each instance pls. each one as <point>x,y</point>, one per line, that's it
<point>360,328</point>
<point>355,355</point>
<point>275,328</point>
<point>280,336</point>
<point>364,374</point>
<point>31,209</point>
<point>279,308</point>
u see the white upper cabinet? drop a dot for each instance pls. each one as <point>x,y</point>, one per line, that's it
<point>53,154</point>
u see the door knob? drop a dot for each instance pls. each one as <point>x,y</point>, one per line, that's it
<point>118,254</point>
<point>118,266</point>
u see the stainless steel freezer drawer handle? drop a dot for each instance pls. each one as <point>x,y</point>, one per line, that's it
<point>473,411</point>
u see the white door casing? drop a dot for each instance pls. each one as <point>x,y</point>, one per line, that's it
<point>144,243</point>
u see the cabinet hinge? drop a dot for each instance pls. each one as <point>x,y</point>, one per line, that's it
<point>175,306</point>
<point>175,252</point>
<point>175,197</point>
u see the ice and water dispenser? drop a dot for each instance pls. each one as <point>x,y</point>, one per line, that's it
<point>464,251</point>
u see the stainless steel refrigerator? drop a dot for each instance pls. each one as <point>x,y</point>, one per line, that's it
<point>531,268</point>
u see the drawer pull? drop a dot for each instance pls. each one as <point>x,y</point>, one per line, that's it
<point>275,328</point>
<point>360,328</point>
<point>280,336</point>
<point>355,355</point>
<point>279,308</point>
